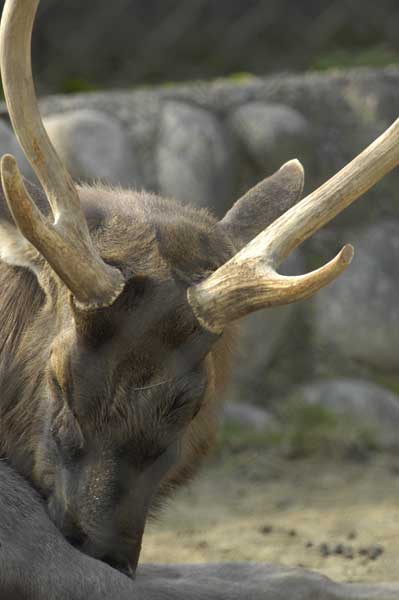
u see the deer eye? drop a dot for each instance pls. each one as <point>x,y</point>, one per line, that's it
<point>188,400</point>
<point>69,453</point>
<point>140,455</point>
<point>68,442</point>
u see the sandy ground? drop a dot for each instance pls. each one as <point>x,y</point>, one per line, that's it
<point>340,518</point>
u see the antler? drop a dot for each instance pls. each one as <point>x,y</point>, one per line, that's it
<point>66,243</point>
<point>249,280</point>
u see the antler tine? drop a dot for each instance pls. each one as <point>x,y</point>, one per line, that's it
<point>66,244</point>
<point>249,281</point>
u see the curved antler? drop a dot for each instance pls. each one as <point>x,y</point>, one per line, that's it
<point>66,243</point>
<point>249,282</point>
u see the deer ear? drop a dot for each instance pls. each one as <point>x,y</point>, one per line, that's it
<point>264,203</point>
<point>15,250</point>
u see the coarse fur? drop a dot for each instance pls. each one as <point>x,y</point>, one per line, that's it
<point>106,411</point>
<point>47,344</point>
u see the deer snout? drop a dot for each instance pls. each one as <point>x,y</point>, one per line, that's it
<point>66,523</point>
<point>119,554</point>
<point>117,551</point>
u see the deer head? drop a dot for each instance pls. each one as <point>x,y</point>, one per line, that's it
<point>139,296</point>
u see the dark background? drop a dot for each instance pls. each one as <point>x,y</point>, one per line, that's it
<point>82,45</point>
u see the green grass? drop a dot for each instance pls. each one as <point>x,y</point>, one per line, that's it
<point>377,56</point>
<point>239,77</point>
<point>75,85</point>
<point>390,381</point>
<point>305,431</point>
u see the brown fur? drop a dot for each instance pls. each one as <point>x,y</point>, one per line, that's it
<point>106,411</point>
<point>162,247</point>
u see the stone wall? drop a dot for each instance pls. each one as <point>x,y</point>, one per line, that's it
<point>206,144</point>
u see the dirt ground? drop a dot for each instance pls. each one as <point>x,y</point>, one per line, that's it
<point>338,517</point>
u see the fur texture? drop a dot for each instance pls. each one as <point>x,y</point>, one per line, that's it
<point>105,412</point>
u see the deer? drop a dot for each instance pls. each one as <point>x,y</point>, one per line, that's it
<point>118,319</point>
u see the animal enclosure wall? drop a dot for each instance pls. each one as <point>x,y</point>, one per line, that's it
<point>207,143</point>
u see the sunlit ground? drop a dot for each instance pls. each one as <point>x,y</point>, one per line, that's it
<point>339,517</point>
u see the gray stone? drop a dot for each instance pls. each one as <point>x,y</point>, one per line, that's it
<point>340,126</point>
<point>260,336</point>
<point>10,145</point>
<point>248,416</point>
<point>368,405</point>
<point>271,133</point>
<point>259,582</point>
<point>359,313</point>
<point>93,146</point>
<point>194,158</point>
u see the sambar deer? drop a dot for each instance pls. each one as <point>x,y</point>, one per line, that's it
<point>117,312</point>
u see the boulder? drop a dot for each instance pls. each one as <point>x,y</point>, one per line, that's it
<point>247,416</point>
<point>358,314</point>
<point>10,145</point>
<point>260,582</point>
<point>371,407</point>
<point>261,335</point>
<point>93,146</point>
<point>194,157</point>
<point>271,132</point>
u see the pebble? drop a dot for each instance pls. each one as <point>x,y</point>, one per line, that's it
<point>339,549</point>
<point>371,552</point>
<point>348,552</point>
<point>325,550</point>
<point>266,529</point>
<point>374,552</point>
<point>345,551</point>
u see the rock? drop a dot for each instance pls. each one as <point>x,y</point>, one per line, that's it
<point>375,552</point>
<point>271,133</point>
<point>338,132</point>
<point>194,157</point>
<point>93,146</point>
<point>10,145</point>
<point>247,416</point>
<point>325,550</point>
<point>260,335</point>
<point>261,582</point>
<point>266,529</point>
<point>369,406</point>
<point>359,313</point>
